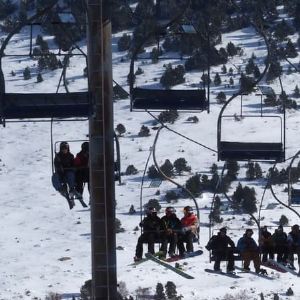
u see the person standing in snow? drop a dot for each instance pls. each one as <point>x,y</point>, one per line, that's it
<point>152,227</point>
<point>222,248</point>
<point>190,226</point>
<point>249,251</point>
<point>171,228</point>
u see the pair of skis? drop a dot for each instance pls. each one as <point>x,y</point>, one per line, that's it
<point>166,264</point>
<point>71,200</point>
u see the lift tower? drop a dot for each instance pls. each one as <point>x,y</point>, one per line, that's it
<point>104,281</point>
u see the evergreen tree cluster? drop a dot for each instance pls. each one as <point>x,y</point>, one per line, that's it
<point>214,215</point>
<point>244,199</point>
<point>172,76</point>
<point>167,292</point>
<point>254,171</point>
<point>178,167</point>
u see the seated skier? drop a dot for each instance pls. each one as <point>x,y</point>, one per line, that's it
<point>249,251</point>
<point>266,244</point>
<point>63,178</point>
<point>171,228</point>
<point>152,227</point>
<point>190,226</point>
<point>81,163</point>
<point>279,238</point>
<point>222,248</point>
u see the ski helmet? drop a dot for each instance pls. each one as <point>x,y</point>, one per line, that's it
<point>170,210</point>
<point>188,209</point>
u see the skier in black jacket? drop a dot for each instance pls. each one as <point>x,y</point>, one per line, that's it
<point>152,228</point>
<point>63,178</point>
<point>222,248</point>
<point>171,229</point>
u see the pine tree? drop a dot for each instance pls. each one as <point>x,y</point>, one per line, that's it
<point>224,69</point>
<point>296,92</point>
<point>237,197</point>
<point>250,66</point>
<point>144,131</point>
<point>214,169</point>
<point>124,42</point>
<point>39,78</point>
<point>217,79</point>
<point>258,171</point>
<point>214,216</point>
<point>160,294</point>
<point>249,200</point>
<point>193,184</point>
<point>231,49</point>
<point>221,98</point>
<point>250,173</point>
<point>256,72</point>
<point>131,170</point>
<point>274,71</point>
<point>232,169</point>
<point>180,165</point>
<point>167,168</point>
<point>171,290</point>
<point>26,73</point>
<point>120,129</point>
<point>153,173</point>
<point>283,220</point>
<point>290,49</point>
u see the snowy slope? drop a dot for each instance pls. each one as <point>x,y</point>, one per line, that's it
<point>45,247</point>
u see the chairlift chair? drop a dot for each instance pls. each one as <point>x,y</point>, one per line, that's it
<point>43,105</point>
<point>259,151</point>
<point>143,98</point>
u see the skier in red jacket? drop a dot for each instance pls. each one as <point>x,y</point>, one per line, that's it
<point>81,164</point>
<point>190,226</point>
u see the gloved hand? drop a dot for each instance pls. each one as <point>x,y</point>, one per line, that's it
<point>185,229</point>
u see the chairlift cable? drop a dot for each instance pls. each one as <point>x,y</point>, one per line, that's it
<point>180,134</point>
<point>142,184</point>
<point>277,199</point>
<point>173,181</point>
<point>214,198</point>
<point>261,32</point>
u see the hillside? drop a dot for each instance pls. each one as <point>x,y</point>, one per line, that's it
<point>45,247</point>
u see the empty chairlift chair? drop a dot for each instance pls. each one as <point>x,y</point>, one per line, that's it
<point>147,98</point>
<point>260,150</point>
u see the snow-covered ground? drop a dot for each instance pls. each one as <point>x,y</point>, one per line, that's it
<point>45,247</point>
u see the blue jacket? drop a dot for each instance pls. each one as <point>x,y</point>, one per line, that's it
<point>246,244</point>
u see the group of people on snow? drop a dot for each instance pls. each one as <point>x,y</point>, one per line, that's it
<point>168,230</point>
<point>284,245</point>
<point>71,173</point>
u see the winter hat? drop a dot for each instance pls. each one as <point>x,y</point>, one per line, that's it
<point>295,227</point>
<point>249,230</point>
<point>223,229</point>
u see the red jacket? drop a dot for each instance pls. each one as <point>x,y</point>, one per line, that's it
<point>191,221</point>
<point>81,160</point>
